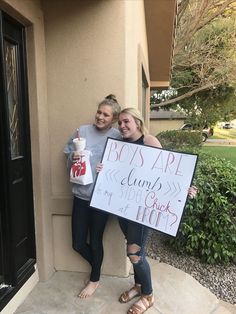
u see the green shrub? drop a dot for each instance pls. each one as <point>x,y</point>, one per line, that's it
<point>180,140</point>
<point>208,228</point>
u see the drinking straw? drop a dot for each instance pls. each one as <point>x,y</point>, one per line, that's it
<point>78,134</point>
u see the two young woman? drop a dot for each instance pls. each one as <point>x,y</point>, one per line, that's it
<point>131,127</point>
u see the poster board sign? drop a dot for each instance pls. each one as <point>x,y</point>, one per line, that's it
<point>144,184</point>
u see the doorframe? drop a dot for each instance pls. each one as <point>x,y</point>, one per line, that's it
<point>32,17</point>
<point>15,278</point>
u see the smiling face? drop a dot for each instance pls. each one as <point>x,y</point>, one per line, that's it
<point>128,127</point>
<point>104,117</point>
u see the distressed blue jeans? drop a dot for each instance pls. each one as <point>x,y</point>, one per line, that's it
<point>137,234</point>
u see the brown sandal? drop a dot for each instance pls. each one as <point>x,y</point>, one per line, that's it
<point>130,294</point>
<point>147,301</point>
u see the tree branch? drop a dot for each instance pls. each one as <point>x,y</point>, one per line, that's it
<point>186,95</point>
<point>209,11</point>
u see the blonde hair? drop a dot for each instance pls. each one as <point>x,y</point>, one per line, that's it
<point>135,113</point>
<point>110,100</point>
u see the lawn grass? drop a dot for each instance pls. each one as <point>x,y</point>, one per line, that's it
<point>224,133</point>
<point>227,152</point>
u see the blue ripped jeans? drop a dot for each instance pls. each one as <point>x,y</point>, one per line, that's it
<point>137,234</point>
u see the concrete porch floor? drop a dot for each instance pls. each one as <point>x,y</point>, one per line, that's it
<point>175,293</point>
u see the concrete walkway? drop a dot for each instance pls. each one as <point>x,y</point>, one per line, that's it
<point>175,293</point>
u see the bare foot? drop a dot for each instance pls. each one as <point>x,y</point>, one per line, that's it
<point>89,289</point>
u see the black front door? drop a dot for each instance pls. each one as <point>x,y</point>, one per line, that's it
<point>17,240</point>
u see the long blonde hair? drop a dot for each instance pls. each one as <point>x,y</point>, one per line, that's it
<point>135,113</point>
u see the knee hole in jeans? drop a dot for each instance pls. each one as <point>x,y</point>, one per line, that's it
<point>133,252</point>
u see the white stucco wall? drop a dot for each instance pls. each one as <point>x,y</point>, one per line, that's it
<point>85,62</point>
<point>85,53</point>
<point>136,52</point>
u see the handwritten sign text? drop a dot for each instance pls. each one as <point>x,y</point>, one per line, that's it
<point>144,184</point>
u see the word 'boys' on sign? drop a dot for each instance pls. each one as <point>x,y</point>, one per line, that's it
<point>144,184</point>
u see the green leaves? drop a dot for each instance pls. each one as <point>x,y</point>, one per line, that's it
<point>208,228</point>
<point>204,63</point>
<point>180,140</point>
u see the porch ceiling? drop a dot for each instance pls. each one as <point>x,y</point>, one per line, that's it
<point>160,23</point>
